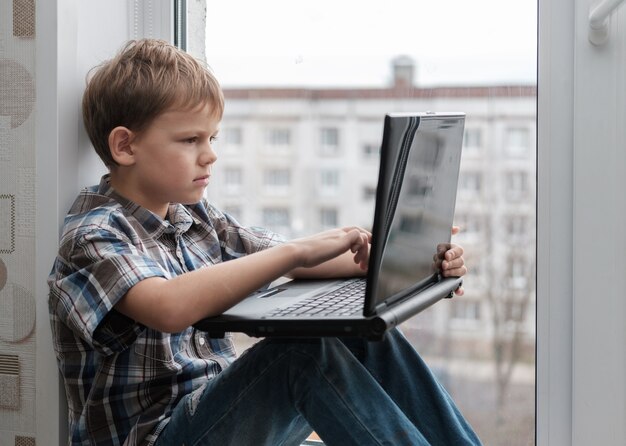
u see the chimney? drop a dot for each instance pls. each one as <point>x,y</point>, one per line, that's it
<point>403,72</point>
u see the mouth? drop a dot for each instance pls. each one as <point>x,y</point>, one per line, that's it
<point>203,180</point>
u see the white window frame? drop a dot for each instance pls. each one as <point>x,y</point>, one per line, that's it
<point>581,362</point>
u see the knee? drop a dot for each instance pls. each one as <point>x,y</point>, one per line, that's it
<point>317,351</point>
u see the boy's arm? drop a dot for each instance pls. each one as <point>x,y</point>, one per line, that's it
<point>175,304</point>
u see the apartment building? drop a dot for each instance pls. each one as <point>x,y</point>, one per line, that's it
<point>300,160</point>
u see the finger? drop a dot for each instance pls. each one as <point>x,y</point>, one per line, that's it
<point>362,261</point>
<point>452,264</point>
<point>456,230</point>
<point>441,250</point>
<point>454,252</point>
<point>358,242</point>
<point>459,291</point>
<point>363,252</point>
<point>455,272</point>
<point>359,229</point>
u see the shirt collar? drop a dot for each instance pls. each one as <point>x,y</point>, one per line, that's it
<point>178,219</point>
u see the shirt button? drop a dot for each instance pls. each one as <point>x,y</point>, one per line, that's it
<point>201,341</point>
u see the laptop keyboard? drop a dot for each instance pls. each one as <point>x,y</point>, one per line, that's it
<point>344,301</point>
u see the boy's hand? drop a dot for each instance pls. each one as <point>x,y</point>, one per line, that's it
<point>449,260</point>
<point>319,248</point>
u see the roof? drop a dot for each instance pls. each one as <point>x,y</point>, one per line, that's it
<point>381,93</point>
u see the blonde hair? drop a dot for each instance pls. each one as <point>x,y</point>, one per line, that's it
<point>146,78</point>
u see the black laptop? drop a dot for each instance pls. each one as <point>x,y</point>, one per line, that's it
<point>415,200</point>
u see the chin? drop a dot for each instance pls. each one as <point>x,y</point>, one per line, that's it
<point>192,200</point>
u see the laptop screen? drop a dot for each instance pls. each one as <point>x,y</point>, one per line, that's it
<point>415,204</point>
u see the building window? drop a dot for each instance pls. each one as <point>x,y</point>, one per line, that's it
<point>369,193</point>
<point>517,226</point>
<point>276,218</point>
<point>329,141</point>
<point>276,180</point>
<point>472,140</point>
<point>233,180</point>
<point>470,183</point>
<point>329,181</point>
<point>466,310</point>
<point>471,226</point>
<point>278,137</point>
<point>370,151</point>
<point>517,141</point>
<point>329,217</point>
<point>516,185</point>
<point>517,273</point>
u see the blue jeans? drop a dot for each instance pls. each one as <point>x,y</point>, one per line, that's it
<point>350,391</point>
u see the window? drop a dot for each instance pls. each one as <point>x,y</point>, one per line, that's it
<point>517,141</point>
<point>370,151</point>
<point>470,183</point>
<point>276,180</point>
<point>517,272</point>
<point>276,218</point>
<point>329,141</point>
<point>369,193</point>
<point>329,181</point>
<point>233,180</point>
<point>471,226</point>
<point>466,310</point>
<point>278,137</point>
<point>516,184</point>
<point>304,95</point>
<point>472,140</point>
<point>517,226</point>
<point>329,217</point>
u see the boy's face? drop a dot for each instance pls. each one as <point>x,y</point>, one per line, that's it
<point>172,159</point>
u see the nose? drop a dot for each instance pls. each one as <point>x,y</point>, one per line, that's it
<point>208,155</point>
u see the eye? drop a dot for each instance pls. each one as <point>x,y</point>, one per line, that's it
<point>191,140</point>
<point>213,138</point>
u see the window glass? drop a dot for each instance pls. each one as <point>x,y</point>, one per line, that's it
<point>276,180</point>
<point>517,141</point>
<point>310,90</point>
<point>278,218</point>
<point>278,137</point>
<point>329,141</point>
<point>371,150</point>
<point>233,179</point>
<point>329,181</point>
<point>329,217</point>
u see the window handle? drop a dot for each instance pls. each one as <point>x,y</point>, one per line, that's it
<point>599,14</point>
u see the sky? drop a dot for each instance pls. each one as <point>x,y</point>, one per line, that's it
<point>352,42</point>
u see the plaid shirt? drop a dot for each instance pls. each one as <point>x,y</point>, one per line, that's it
<point>123,379</point>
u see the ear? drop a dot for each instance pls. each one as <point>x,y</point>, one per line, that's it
<point>120,140</point>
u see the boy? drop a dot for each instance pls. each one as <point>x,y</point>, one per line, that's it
<point>143,256</point>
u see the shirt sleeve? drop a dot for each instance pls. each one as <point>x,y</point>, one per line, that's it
<point>95,268</point>
<point>237,240</point>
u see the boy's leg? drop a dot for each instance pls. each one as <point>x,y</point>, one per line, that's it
<point>280,389</point>
<point>399,369</point>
